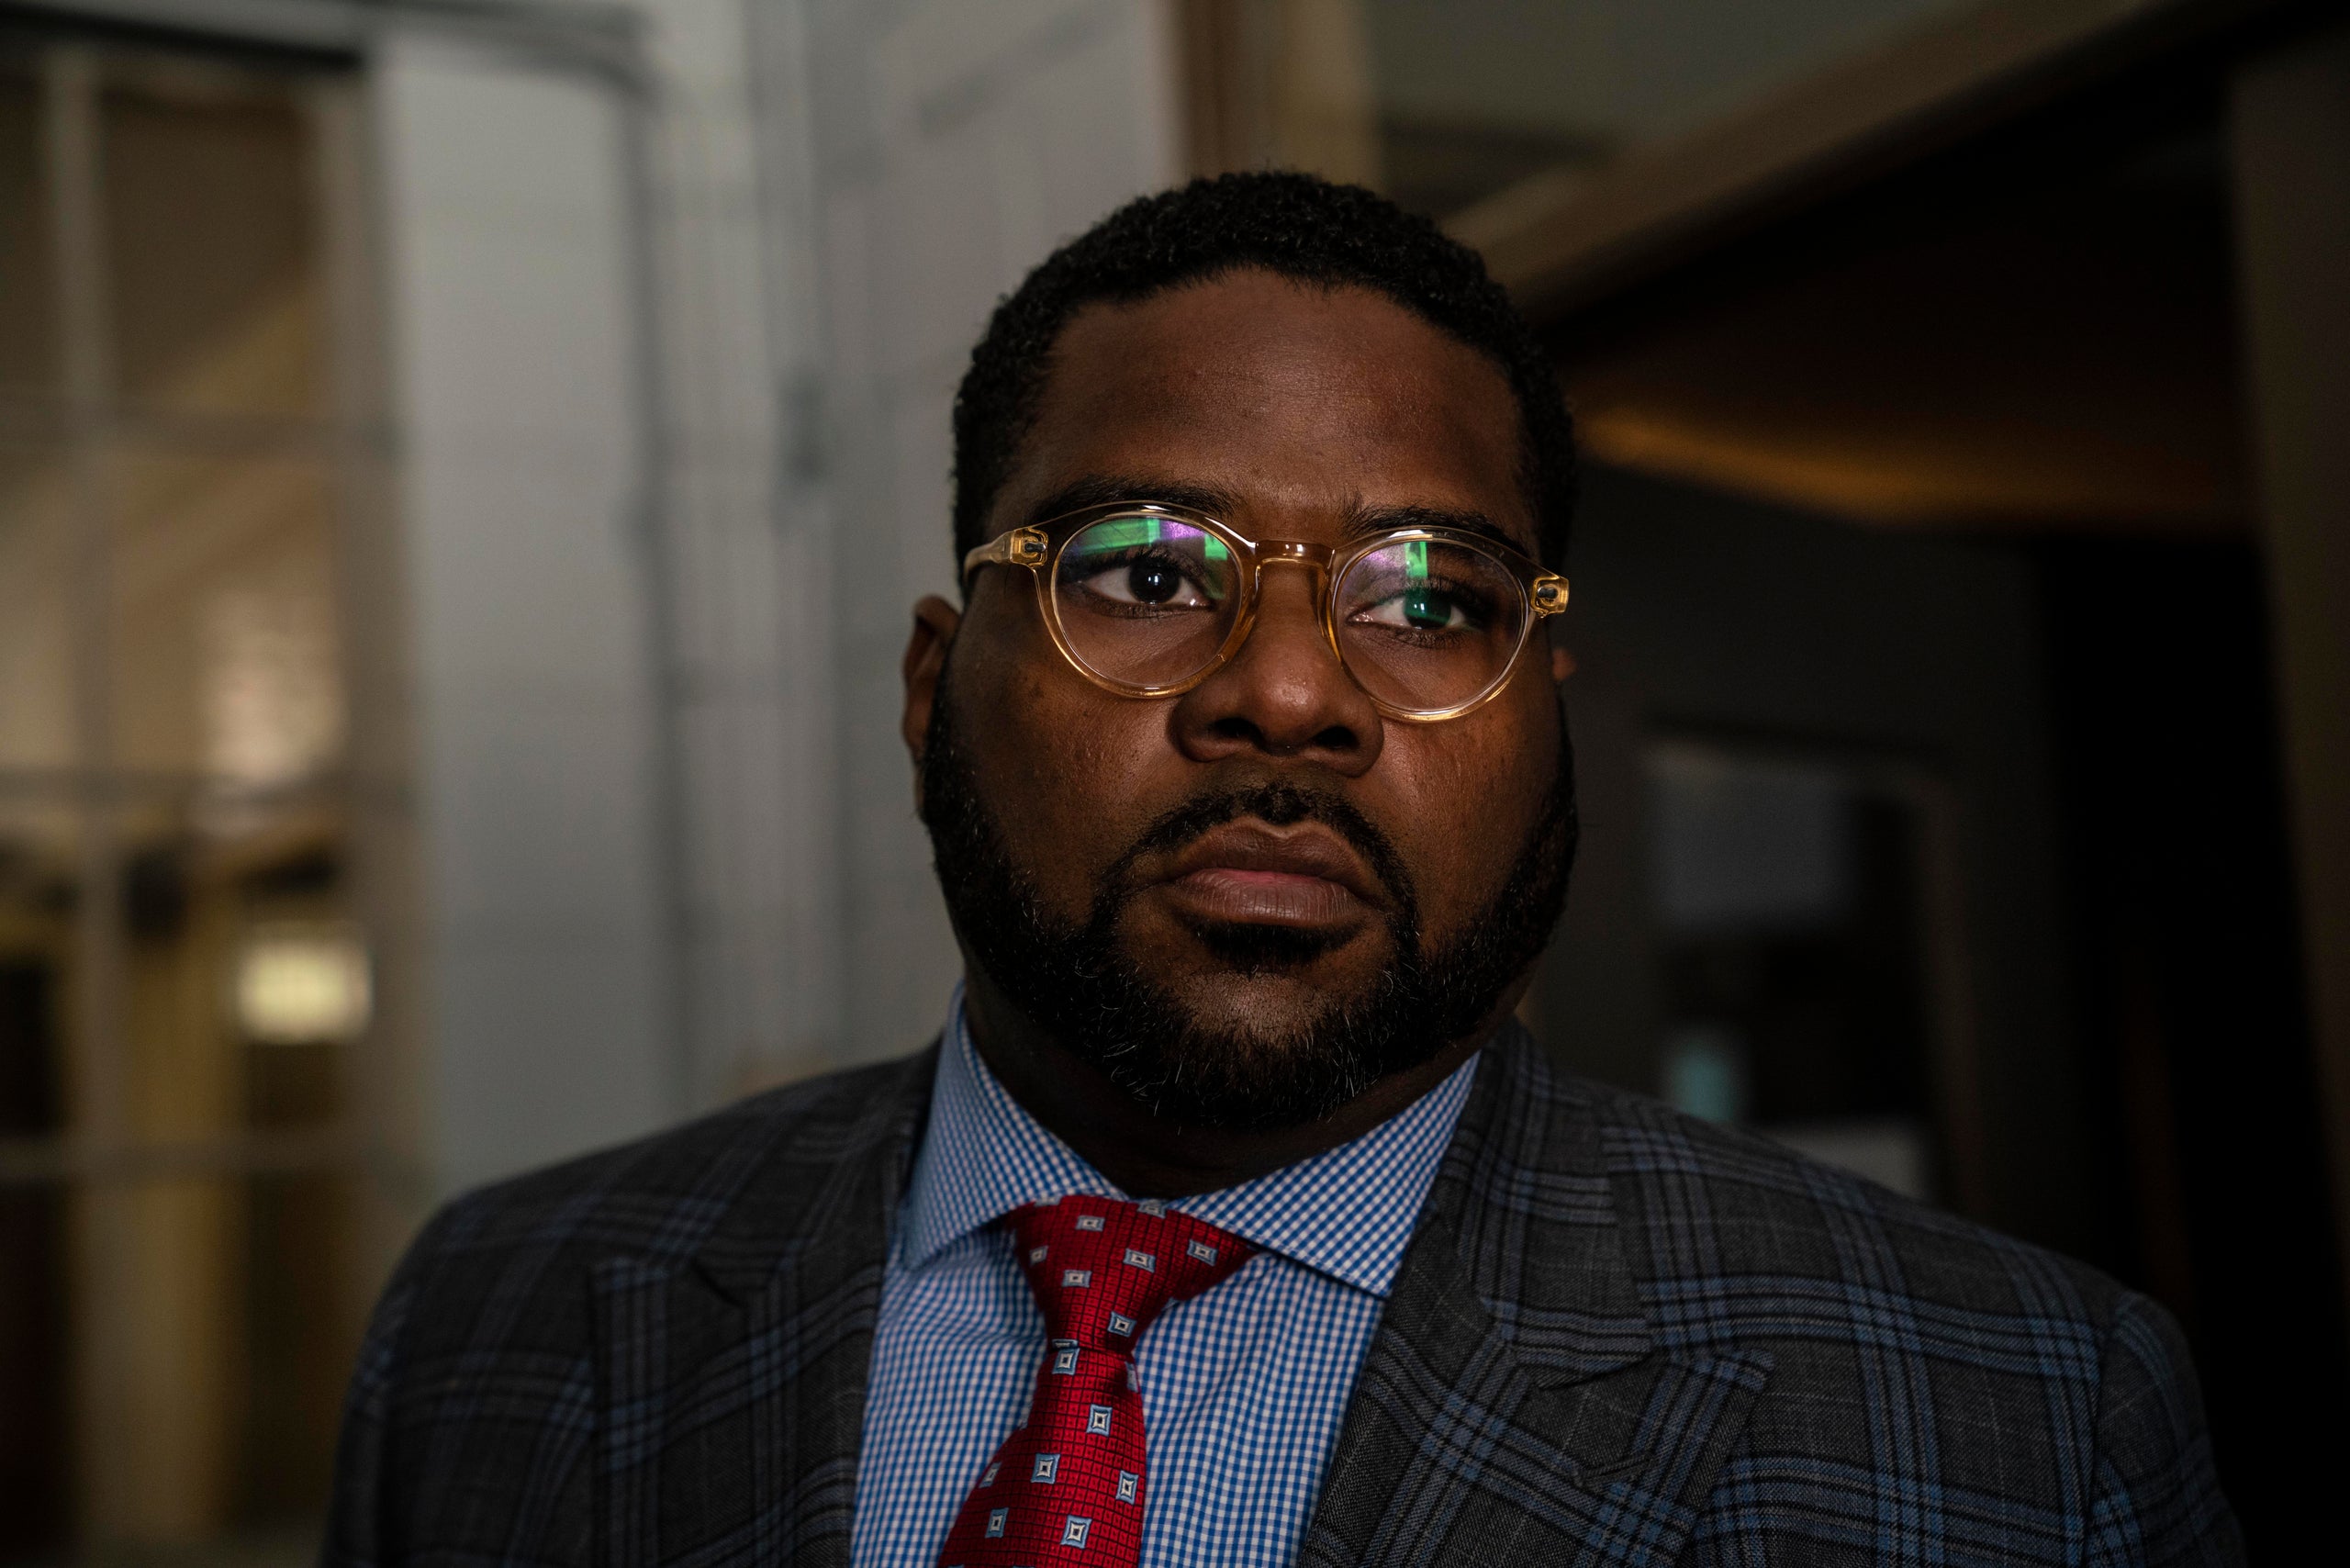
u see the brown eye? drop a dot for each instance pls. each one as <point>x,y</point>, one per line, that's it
<point>1131,581</point>
<point>1153,582</point>
<point>1143,599</point>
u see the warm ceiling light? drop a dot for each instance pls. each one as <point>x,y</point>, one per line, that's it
<point>302,985</point>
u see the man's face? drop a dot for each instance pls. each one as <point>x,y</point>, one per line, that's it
<point>1248,902</point>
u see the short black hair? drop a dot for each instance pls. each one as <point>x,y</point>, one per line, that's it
<point>1297,226</point>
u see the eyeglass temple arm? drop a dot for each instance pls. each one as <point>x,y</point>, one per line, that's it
<point>1548,594</point>
<point>1019,547</point>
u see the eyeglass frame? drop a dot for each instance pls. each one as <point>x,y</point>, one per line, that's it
<point>1030,546</point>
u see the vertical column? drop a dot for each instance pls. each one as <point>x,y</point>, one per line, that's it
<point>2290,130</point>
<point>1325,108</point>
<point>71,138</point>
<point>386,1113</point>
<point>742,536</point>
<point>532,645</point>
<point>104,1286</point>
<point>798,973</point>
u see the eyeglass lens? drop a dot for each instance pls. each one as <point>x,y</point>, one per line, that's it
<point>1424,625</point>
<point>1427,624</point>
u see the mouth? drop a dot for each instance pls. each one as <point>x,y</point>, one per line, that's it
<point>1248,873</point>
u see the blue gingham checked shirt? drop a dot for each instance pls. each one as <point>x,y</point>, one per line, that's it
<point>1243,1387</point>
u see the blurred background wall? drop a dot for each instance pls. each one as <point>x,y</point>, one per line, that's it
<point>465,466</point>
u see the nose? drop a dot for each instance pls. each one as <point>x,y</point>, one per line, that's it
<point>1284,694</point>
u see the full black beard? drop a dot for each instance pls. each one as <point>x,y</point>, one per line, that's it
<point>1079,987</point>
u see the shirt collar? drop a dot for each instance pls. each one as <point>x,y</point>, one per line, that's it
<point>1347,1212</point>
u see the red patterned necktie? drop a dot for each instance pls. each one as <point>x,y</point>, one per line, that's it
<point>1066,1489</point>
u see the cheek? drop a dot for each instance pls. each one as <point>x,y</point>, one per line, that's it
<point>1064,767</point>
<point>1468,800</point>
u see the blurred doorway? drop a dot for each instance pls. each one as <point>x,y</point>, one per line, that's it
<point>186,986</point>
<point>1809,947</point>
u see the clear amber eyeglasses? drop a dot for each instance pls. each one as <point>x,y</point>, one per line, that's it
<point>1148,599</point>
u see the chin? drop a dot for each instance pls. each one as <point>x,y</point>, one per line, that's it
<point>1257,1012</point>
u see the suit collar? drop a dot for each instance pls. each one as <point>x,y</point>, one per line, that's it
<point>732,1380</point>
<point>779,1224</point>
<point>1515,1406</point>
<point>1528,1151</point>
<point>1347,1212</point>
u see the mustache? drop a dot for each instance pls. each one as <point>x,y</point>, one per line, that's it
<point>1277,804</point>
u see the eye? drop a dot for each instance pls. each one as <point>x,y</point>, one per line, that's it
<point>1149,581</point>
<point>1423,607</point>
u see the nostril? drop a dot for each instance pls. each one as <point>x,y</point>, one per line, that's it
<point>1238,731</point>
<point>1233,727</point>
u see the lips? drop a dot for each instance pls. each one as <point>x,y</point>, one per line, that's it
<point>1249,872</point>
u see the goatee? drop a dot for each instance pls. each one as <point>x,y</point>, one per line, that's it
<point>1078,985</point>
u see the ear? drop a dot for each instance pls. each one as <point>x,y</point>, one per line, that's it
<point>926,646</point>
<point>1563,663</point>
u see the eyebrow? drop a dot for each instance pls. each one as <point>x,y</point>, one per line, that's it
<point>1109,489</point>
<point>1378,519</point>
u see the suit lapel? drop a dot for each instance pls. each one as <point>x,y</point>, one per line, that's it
<point>734,1377</point>
<point>1514,1406</point>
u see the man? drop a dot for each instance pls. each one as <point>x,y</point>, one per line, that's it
<point>1233,1220</point>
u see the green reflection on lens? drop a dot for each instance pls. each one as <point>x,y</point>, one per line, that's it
<point>1130,532</point>
<point>1117,533</point>
<point>1121,533</point>
<point>1424,606</point>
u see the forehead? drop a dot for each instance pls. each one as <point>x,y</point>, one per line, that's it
<point>1304,404</point>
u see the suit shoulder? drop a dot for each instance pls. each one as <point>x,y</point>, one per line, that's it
<point>665,1193</point>
<point>1699,1200</point>
<point>1896,1342</point>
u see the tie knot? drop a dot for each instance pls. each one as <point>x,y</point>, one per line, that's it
<point>1102,1268</point>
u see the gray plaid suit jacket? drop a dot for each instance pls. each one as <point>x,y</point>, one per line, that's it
<point>1620,1335</point>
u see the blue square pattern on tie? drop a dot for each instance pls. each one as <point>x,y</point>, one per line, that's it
<point>1065,1359</point>
<point>1138,1259</point>
<point>1076,1278</point>
<point>1088,1222</point>
<point>1121,1324</point>
<point>1047,1470</point>
<point>1074,1530</point>
<point>1202,1252</point>
<point>995,1521</point>
<point>1128,1485</point>
<point>1097,1418</point>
